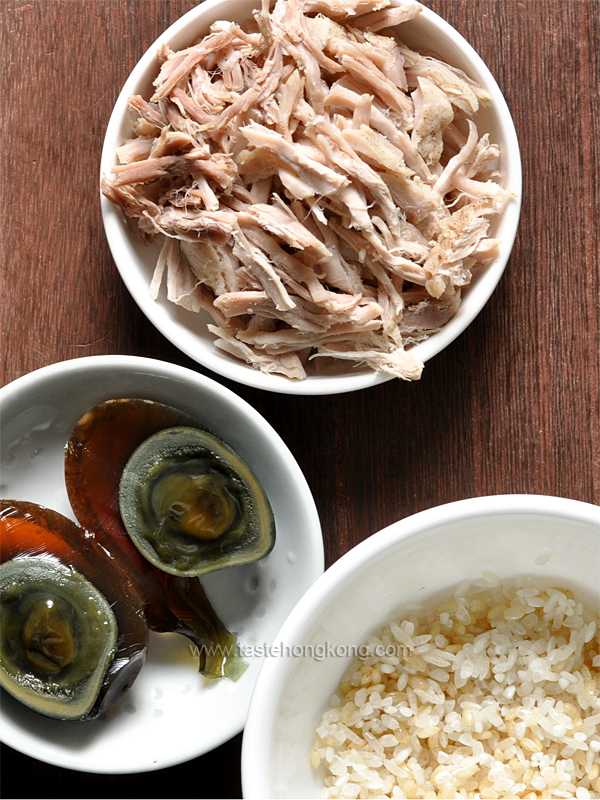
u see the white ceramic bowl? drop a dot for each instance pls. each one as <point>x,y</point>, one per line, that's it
<point>187,330</point>
<point>170,714</point>
<point>417,558</point>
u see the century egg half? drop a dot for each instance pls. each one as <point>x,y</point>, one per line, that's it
<point>191,505</point>
<point>58,637</point>
<point>96,456</point>
<point>73,635</point>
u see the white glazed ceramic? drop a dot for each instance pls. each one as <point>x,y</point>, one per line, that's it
<point>418,558</point>
<point>187,330</point>
<point>170,714</point>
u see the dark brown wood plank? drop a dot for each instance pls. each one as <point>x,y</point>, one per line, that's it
<point>512,406</point>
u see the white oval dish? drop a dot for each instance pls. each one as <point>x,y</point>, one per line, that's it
<point>187,330</point>
<point>419,558</point>
<point>171,714</point>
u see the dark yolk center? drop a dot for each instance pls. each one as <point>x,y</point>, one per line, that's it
<point>198,505</point>
<point>48,638</point>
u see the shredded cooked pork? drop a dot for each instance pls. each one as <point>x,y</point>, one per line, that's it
<point>320,188</point>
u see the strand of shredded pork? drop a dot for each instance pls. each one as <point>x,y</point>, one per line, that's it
<point>320,188</point>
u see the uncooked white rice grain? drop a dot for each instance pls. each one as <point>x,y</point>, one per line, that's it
<point>496,695</point>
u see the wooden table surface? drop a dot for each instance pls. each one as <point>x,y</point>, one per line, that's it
<point>511,406</point>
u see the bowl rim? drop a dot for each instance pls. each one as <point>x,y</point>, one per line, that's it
<point>314,561</point>
<point>257,744</point>
<point>227,367</point>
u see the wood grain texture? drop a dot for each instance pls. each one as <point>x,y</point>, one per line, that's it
<point>512,406</point>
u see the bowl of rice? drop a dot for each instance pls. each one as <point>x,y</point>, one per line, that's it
<point>303,203</point>
<point>456,653</point>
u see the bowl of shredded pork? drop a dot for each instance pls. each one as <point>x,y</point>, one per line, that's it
<point>311,197</point>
